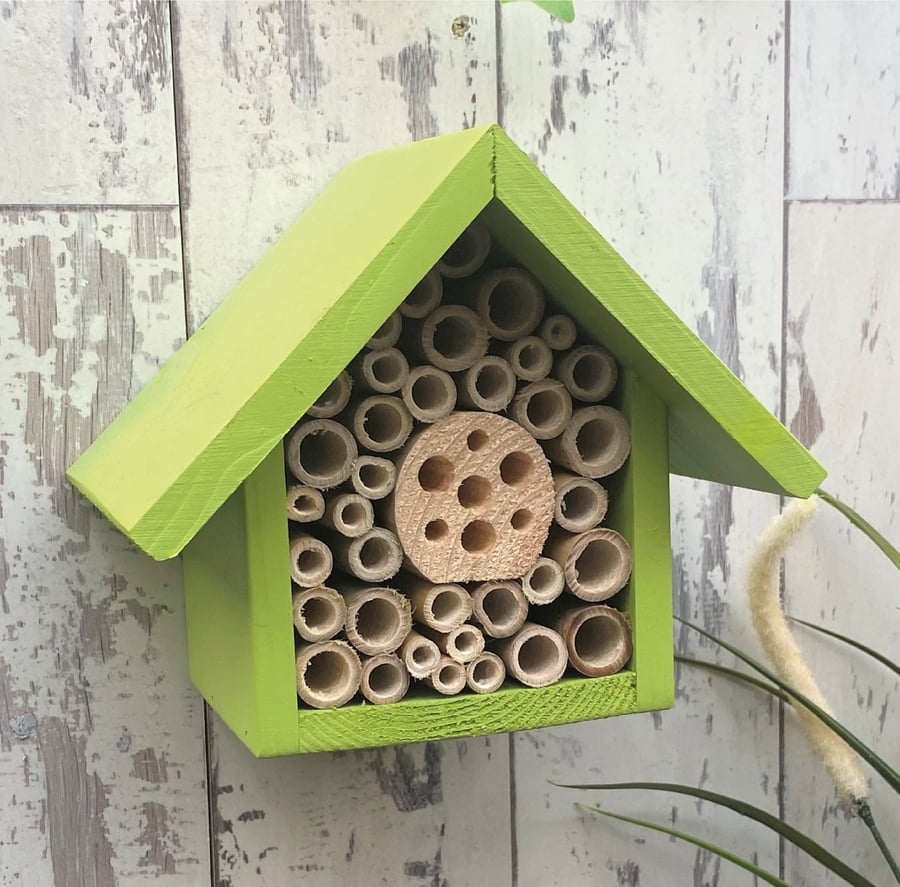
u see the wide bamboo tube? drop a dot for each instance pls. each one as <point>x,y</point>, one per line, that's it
<point>426,295</point>
<point>328,673</point>
<point>319,613</point>
<point>349,514</point>
<point>461,644</point>
<point>581,503</point>
<point>510,301</point>
<point>536,656</point>
<point>559,332</point>
<point>381,423</point>
<point>378,619</point>
<point>468,252</point>
<point>388,334</point>
<point>589,372</point>
<point>305,504</point>
<point>320,453</point>
<point>595,443</point>
<point>382,372</point>
<point>443,607</point>
<point>597,563</point>
<point>544,582</point>
<point>311,560</point>
<point>449,678</point>
<point>333,399</point>
<point>485,673</point>
<point>453,338</point>
<point>500,607</point>
<point>429,393</point>
<point>372,557</point>
<point>373,477</point>
<point>384,679</point>
<point>598,639</point>
<point>489,384</point>
<point>530,358</point>
<point>420,655</point>
<point>543,409</point>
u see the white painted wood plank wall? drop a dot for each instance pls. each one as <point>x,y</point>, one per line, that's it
<point>693,136</point>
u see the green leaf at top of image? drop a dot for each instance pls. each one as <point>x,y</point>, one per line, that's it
<point>564,10</point>
<point>878,657</point>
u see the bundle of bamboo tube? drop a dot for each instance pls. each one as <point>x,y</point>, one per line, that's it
<point>445,514</point>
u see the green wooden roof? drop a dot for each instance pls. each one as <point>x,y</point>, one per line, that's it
<point>229,395</point>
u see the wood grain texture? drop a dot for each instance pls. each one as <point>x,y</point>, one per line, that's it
<point>86,109</point>
<point>844,101</point>
<point>101,754</point>
<point>843,326</point>
<point>661,123</point>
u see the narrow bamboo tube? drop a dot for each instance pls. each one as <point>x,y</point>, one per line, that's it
<point>544,582</point>
<point>589,372</point>
<point>598,639</point>
<point>320,453</point>
<point>383,371</point>
<point>381,423</point>
<point>311,560</point>
<point>536,656</point>
<point>530,358</point>
<point>500,607</point>
<point>328,673</point>
<point>461,644</point>
<point>449,678</point>
<point>595,443</point>
<point>485,673</point>
<point>305,504</point>
<point>453,338</point>
<point>349,514</point>
<point>581,503</point>
<point>426,295</point>
<point>543,409</point>
<point>384,679</point>
<point>510,301</point>
<point>429,394</point>
<point>468,252</point>
<point>420,655</point>
<point>489,384</point>
<point>559,332</point>
<point>372,557</point>
<point>319,613</point>
<point>333,399</point>
<point>443,607</point>
<point>373,476</point>
<point>378,619</point>
<point>388,334</point>
<point>597,563</point>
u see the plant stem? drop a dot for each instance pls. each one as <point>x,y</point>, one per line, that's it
<point>865,813</point>
<point>862,524</point>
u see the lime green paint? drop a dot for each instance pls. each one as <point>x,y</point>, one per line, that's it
<point>564,10</point>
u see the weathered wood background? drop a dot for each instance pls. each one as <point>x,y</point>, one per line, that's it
<point>744,158</point>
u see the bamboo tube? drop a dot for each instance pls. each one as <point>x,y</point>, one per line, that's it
<point>559,332</point>
<point>461,644</point>
<point>453,338</point>
<point>510,301</point>
<point>449,678</point>
<point>378,619</point>
<point>443,607</point>
<point>304,504</point>
<point>589,372</point>
<point>468,252</point>
<point>543,409</point>
<point>485,673</point>
<point>536,656</point>
<point>597,563</point>
<point>544,582</point>
<point>319,613</point>
<point>426,295</point>
<point>384,679</point>
<point>333,399</point>
<point>598,639</point>
<point>381,423</point>
<point>383,371</point>
<point>530,358</point>
<point>420,655</point>
<point>500,607</point>
<point>320,453</point>
<point>388,334</point>
<point>311,561</point>
<point>489,384</point>
<point>429,394</point>
<point>581,503</point>
<point>595,443</point>
<point>349,514</point>
<point>372,557</point>
<point>328,673</point>
<point>373,477</point>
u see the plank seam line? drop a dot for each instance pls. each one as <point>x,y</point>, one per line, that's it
<point>85,207</point>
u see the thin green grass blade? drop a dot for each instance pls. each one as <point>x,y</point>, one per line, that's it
<point>878,657</point>
<point>878,764</point>
<point>697,842</point>
<point>862,524</point>
<point>789,833</point>
<point>736,675</point>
